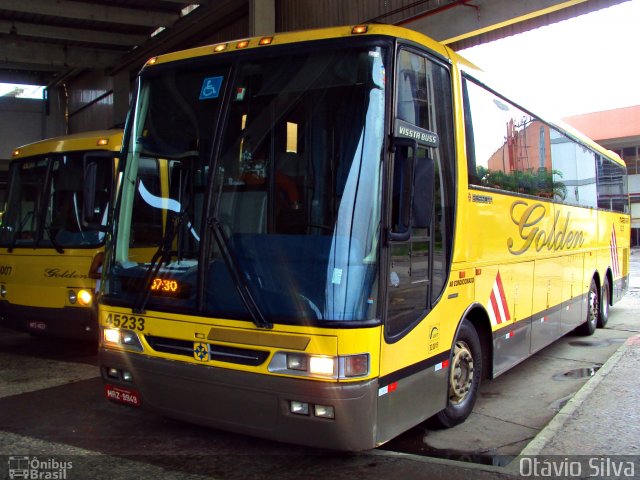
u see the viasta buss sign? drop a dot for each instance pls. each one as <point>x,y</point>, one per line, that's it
<point>528,219</point>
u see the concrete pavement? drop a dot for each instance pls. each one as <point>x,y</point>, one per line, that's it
<point>595,435</point>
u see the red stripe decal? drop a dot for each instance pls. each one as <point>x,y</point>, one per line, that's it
<point>494,305</point>
<point>503,298</point>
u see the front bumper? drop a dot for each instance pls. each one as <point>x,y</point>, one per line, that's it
<point>250,403</point>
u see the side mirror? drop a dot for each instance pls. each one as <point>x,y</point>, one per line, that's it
<point>93,204</point>
<point>89,191</point>
<point>413,180</point>
<point>423,185</point>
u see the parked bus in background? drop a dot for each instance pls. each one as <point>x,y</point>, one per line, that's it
<point>358,230</point>
<point>53,233</point>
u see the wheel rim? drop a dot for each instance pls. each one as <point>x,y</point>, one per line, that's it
<point>593,306</point>
<point>461,375</point>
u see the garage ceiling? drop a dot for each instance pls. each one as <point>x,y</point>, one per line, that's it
<point>48,42</point>
<point>44,42</point>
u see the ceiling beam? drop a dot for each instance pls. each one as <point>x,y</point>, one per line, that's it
<point>71,34</point>
<point>61,56</point>
<point>462,19</point>
<point>204,19</point>
<point>91,11</point>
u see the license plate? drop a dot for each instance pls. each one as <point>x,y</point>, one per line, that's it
<point>122,395</point>
<point>37,325</point>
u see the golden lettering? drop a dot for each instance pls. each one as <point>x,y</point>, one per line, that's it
<point>560,237</point>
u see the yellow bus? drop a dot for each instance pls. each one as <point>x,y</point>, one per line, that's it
<point>358,231</point>
<point>53,233</point>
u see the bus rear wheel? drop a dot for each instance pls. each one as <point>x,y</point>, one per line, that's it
<point>605,294</point>
<point>593,311</point>
<point>464,377</point>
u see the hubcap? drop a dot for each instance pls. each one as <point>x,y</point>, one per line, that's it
<point>461,373</point>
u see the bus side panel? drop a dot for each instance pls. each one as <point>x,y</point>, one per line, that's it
<point>506,293</point>
<point>573,294</point>
<point>414,369</point>
<point>411,400</point>
<point>547,291</point>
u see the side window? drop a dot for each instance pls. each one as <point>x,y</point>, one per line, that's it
<point>147,219</point>
<point>612,185</point>
<point>574,171</point>
<point>507,148</point>
<point>422,186</point>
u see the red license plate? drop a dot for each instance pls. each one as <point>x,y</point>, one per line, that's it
<point>37,325</point>
<point>122,395</point>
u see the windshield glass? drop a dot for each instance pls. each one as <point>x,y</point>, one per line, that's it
<point>284,164</point>
<point>57,201</point>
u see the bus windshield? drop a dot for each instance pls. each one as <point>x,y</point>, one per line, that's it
<point>272,192</point>
<point>58,201</point>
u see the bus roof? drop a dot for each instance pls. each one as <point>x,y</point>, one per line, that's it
<point>285,38</point>
<point>110,140</point>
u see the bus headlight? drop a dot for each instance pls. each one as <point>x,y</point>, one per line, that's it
<point>320,366</point>
<point>324,366</point>
<point>127,339</point>
<point>85,297</point>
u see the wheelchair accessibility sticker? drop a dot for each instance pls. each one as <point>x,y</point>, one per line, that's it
<point>210,88</point>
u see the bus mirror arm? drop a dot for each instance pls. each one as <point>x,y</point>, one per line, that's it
<point>410,145</point>
<point>422,172</point>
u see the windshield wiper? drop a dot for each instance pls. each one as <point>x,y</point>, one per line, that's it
<point>55,244</point>
<point>164,254</point>
<point>239,281</point>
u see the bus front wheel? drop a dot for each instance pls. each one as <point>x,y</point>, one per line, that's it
<point>464,377</point>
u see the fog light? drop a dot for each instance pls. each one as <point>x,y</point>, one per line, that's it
<point>299,408</point>
<point>113,373</point>
<point>85,297</point>
<point>72,297</point>
<point>126,376</point>
<point>324,411</point>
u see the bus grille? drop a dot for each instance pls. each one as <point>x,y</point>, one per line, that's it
<point>242,356</point>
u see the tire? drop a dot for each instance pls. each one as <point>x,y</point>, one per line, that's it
<point>465,374</point>
<point>605,295</point>
<point>593,311</point>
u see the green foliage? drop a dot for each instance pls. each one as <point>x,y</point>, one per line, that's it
<point>539,183</point>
